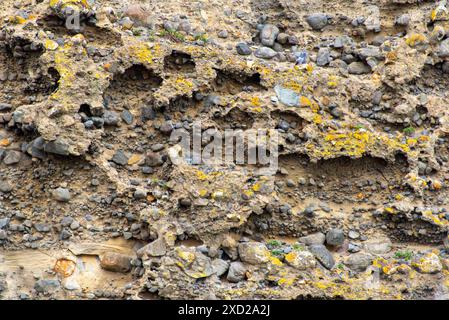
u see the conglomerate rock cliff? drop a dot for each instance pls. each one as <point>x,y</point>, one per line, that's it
<point>97,201</point>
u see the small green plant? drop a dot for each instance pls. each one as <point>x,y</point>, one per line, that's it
<point>151,36</point>
<point>201,37</point>
<point>408,130</point>
<point>298,247</point>
<point>274,243</point>
<point>137,32</point>
<point>359,126</point>
<point>277,252</point>
<point>405,255</point>
<point>173,34</point>
<point>340,266</point>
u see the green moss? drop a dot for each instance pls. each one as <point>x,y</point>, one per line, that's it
<point>405,255</point>
<point>298,247</point>
<point>201,37</point>
<point>274,243</point>
<point>277,252</point>
<point>137,32</point>
<point>408,130</point>
<point>173,34</point>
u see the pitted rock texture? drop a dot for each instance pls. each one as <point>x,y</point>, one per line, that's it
<point>94,205</point>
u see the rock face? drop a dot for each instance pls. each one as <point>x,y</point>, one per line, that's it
<point>359,261</point>
<point>323,255</point>
<point>317,21</point>
<point>236,272</point>
<point>335,237</point>
<point>224,150</point>
<point>265,53</point>
<point>301,260</point>
<point>430,263</point>
<point>62,195</point>
<point>268,35</point>
<point>253,252</point>
<point>358,68</point>
<point>378,246</point>
<point>46,286</point>
<point>315,238</point>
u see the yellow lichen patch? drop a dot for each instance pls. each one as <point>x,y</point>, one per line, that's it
<point>304,102</point>
<point>69,3</point>
<point>416,39</point>
<point>201,175</point>
<point>134,159</point>
<point>256,187</point>
<point>248,193</point>
<point>411,142</point>
<point>433,15</point>
<point>293,85</point>
<point>323,285</point>
<point>50,44</point>
<point>17,20</point>
<point>145,53</point>
<point>255,102</point>
<point>379,262</point>
<point>187,256</point>
<point>337,143</point>
<point>65,66</point>
<point>434,219</point>
<point>430,263</point>
<point>291,256</point>
<point>332,81</point>
<point>317,119</point>
<point>399,197</point>
<point>286,282</point>
<point>440,13</point>
<point>203,193</point>
<point>309,68</point>
<point>169,236</point>
<point>275,261</point>
<point>183,85</point>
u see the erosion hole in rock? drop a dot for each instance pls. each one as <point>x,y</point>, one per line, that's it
<point>234,82</point>
<point>146,295</point>
<point>361,178</point>
<point>349,168</point>
<point>182,105</point>
<point>24,80</point>
<point>179,61</point>
<point>188,241</point>
<point>132,88</point>
<point>102,36</point>
<point>287,121</point>
<point>52,23</point>
<point>85,108</point>
<point>54,78</point>
<point>236,118</point>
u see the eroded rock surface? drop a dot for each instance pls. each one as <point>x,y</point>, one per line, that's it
<point>96,203</point>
